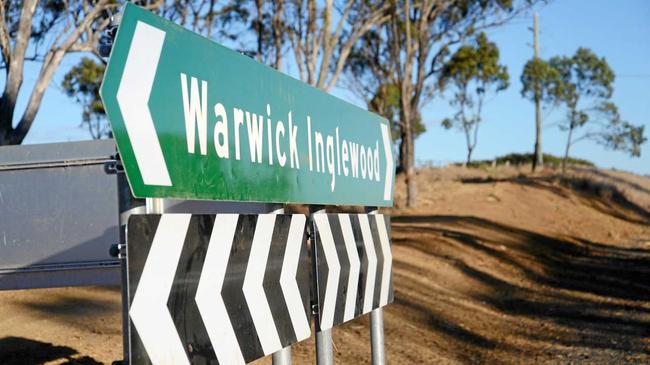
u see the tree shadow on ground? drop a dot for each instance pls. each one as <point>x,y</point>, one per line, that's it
<point>23,351</point>
<point>600,294</point>
<point>630,184</point>
<point>73,306</point>
<point>605,198</point>
<point>437,322</point>
<point>440,324</point>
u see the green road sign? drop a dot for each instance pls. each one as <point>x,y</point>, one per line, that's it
<point>195,120</point>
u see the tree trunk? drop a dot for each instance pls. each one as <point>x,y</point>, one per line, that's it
<point>259,28</point>
<point>408,105</point>
<point>402,155</point>
<point>277,33</point>
<point>472,145</point>
<point>50,65</point>
<point>14,71</point>
<point>538,159</point>
<point>566,151</point>
<point>409,168</point>
<point>407,156</point>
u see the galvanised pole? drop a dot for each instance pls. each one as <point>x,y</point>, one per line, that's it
<point>377,326</point>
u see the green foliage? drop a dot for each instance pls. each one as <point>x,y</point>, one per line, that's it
<point>619,134</point>
<point>82,83</point>
<point>518,159</point>
<point>586,83</point>
<point>527,158</point>
<point>386,102</point>
<point>586,87</point>
<point>541,82</point>
<point>626,137</point>
<point>473,71</point>
<point>477,62</point>
<point>466,9</point>
<point>584,75</point>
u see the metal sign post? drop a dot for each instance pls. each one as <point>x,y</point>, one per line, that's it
<point>377,336</point>
<point>377,327</point>
<point>282,357</point>
<point>154,206</point>
<point>324,348</point>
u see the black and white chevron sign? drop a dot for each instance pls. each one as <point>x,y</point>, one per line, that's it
<point>223,288</point>
<point>353,265</point>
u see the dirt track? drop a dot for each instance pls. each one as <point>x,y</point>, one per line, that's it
<point>493,267</point>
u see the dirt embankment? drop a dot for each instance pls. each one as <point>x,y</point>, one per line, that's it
<point>494,266</point>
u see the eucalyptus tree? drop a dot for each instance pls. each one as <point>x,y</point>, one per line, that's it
<point>473,72</point>
<point>541,84</point>
<point>587,85</point>
<point>409,51</point>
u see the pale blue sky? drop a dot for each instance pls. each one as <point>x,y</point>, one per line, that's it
<point>617,30</point>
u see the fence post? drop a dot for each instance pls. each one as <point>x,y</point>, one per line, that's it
<point>377,325</point>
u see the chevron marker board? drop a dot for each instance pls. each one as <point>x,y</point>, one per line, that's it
<point>224,288</point>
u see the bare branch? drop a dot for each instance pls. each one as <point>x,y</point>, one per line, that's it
<point>5,43</point>
<point>587,135</point>
<point>374,20</point>
<point>330,40</point>
<point>50,65</point>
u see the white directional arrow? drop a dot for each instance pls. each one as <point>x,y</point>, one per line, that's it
<point>388,259</point>
<point>208,293</point>
<point>253,284</point>
<point>288,280</point>
<point>149,311</point>
<point>333,271</point>
<point>133,99</point>
<point>355,265</point>
<point>372,262</point>
<point>388,183</point>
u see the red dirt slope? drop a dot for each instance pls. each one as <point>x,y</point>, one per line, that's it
<point>493,267</point>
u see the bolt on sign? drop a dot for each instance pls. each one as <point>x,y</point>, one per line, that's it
<point>223,288</point>
<point>196,120</point>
